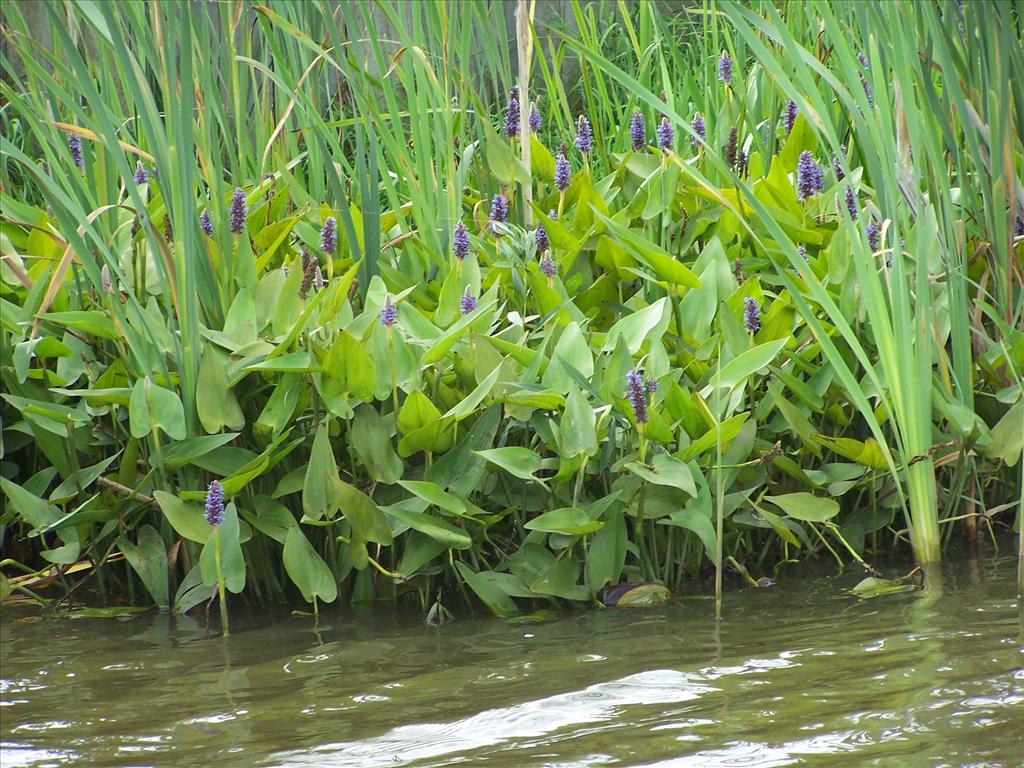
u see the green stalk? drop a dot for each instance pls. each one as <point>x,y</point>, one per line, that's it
<point>220,582</point>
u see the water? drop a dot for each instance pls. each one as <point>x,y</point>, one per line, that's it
<point>798,674</point>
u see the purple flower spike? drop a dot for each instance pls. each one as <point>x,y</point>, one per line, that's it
<point>584,135</point>
<point>389,313</point>
<point>141,174</point>
<point>789,116</point>
<point>329,236</point>
<point>873,234</point>
<point>1018,227</point>
<point>751,315</point>
<point>838,166</point>
<point>512,113</point>
<point>562,172</point>
<point>652,386</point>
<point>809,176</point>
<point>499,208</point>
<point>851,203</point>
<point>802,251</point>
<point>460,241</point>
<point>725,68</point>
<point>541,236</point>
<point>637,132</point>
<point>239,210</point>
<point>534,119</point>
<point>215,503</point>
<point>863,61</point>
<point>636,393</point>
<point>666,135</point>
<point>468,301</point>
<point>75,147</point>
<point>547,267</point>
<point>699,128</point>
<point>553,214</point>
<point>205,224</point>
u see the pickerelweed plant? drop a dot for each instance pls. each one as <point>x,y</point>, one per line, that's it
<point>329,312</point>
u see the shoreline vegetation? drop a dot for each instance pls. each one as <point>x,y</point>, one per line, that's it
<point>290,312</point>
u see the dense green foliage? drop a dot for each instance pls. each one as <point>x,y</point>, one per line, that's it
<point>837,371</point>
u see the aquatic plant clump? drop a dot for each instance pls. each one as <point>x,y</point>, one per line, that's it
<point>554,413</point>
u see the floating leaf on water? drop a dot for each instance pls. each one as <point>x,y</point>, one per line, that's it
<point>872,586</point>
<point>632,594</point>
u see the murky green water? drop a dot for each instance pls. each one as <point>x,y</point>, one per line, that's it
<point>795,675</point>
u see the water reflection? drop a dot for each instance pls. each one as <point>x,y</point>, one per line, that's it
<point>799,674</point>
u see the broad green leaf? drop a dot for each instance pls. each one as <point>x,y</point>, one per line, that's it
<point>188,520</point>
<point>744,365</point>
<point>806,506</point>
<point>607,553</point>
<point>578,426</point>
<point>307,569</point>
<point>372,443</point>
<point>215,402</point>
<point>152,406</point>
<point>493,596</point>
<point>226,538</point>
<point>517,461</point>
<point>148,557</point>
<point>698,521</point>
<point>636,327</point>
<point>320,496</point>
<point>666,470</point>
<point>570,521</point>
<point>435,495</point>
<point>439,530</point>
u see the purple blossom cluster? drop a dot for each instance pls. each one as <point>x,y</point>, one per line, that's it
<point>810,178</point>
<point>584,135</point>
<point>512,112</point>
<point>389,313</point>
<point>239,211</point>
<point>468,301</point>
<point>563,172</point>
<point>534,118</point>
<point>636,393</point>
<point>215,503</point>
<point>329,236</point>
<point>789,116</point>
<point>751,315</point>
<point>725,68</point>
<point>205,224</point>
<point>75,147</point>
<point>460,241</point>
<point>666,135</point>
<point>637,132</point>
<point>699,128</point>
